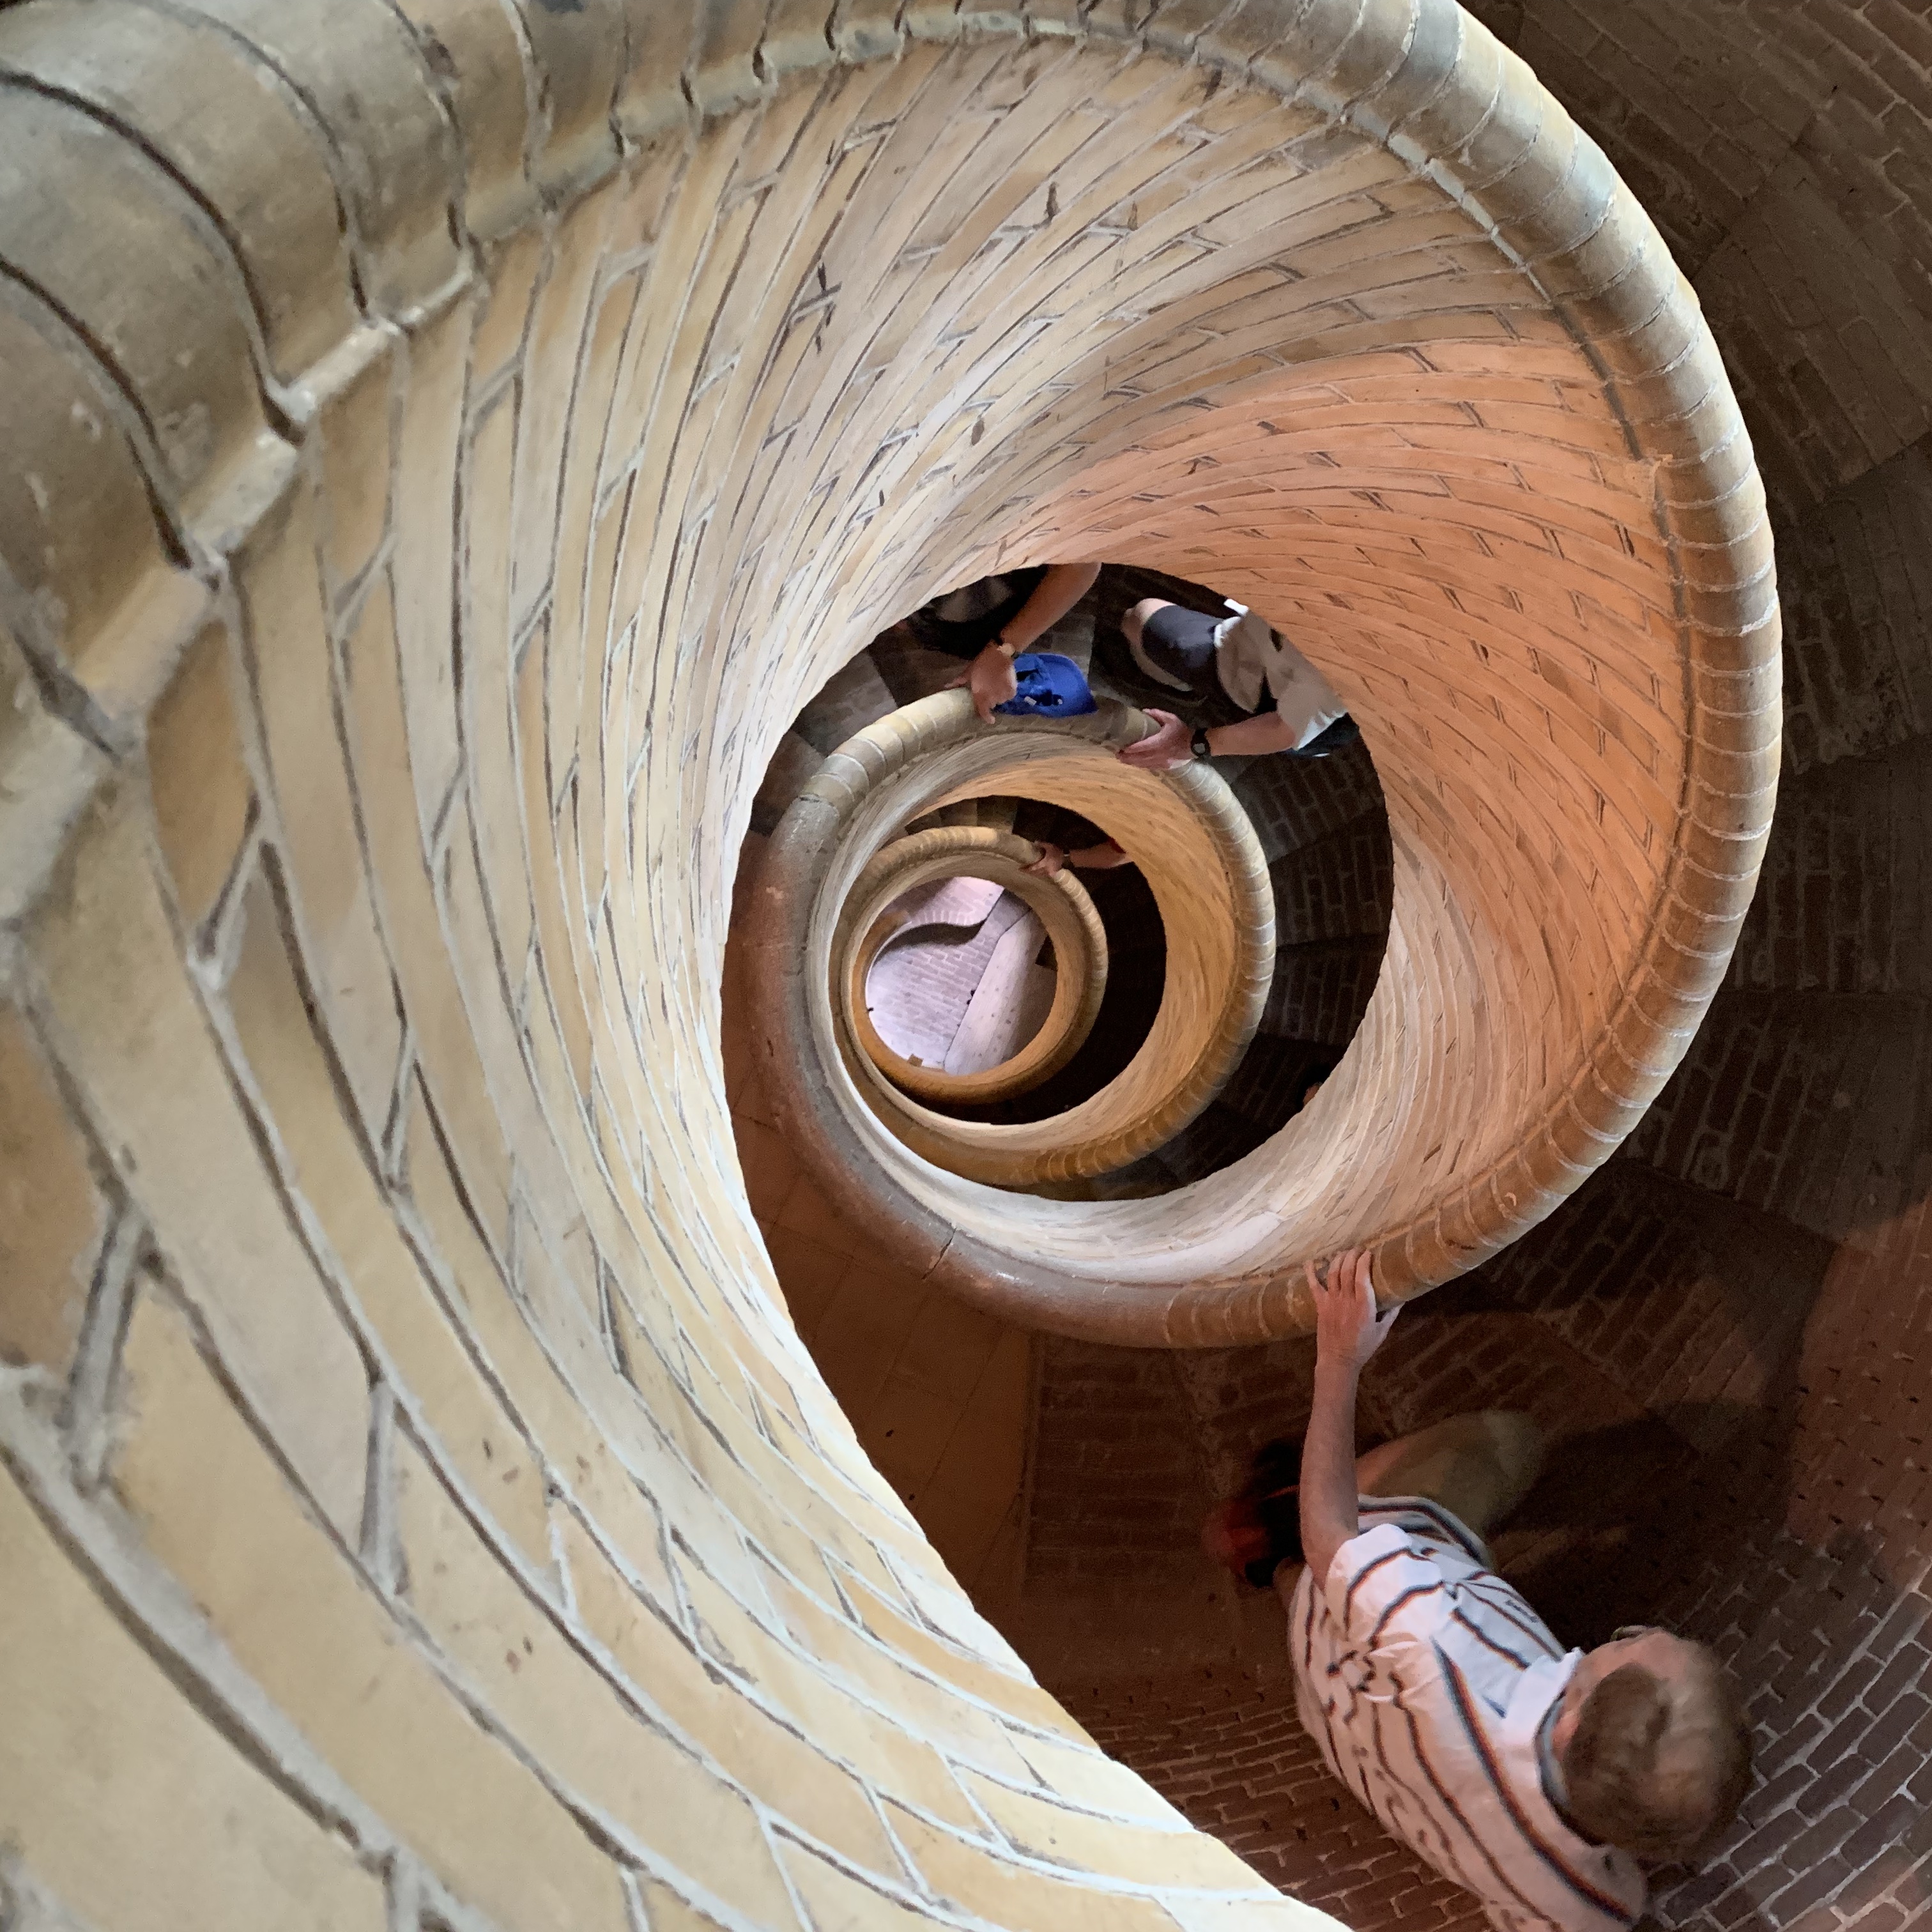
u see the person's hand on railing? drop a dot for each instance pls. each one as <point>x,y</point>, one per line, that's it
<point>1348,1329</point>
<point>990,677</point>
<point>1163,749</point>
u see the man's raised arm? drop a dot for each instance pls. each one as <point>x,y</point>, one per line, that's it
<point>990,676</point>
<point>1348,1331</point>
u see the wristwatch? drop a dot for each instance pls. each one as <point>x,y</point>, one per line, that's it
<point>1199,744</point>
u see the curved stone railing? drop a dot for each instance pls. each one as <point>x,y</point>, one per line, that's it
<point>445,442</point>
<point>1060,905</point>
<point>1464,435</point>
<point>1200,856</point>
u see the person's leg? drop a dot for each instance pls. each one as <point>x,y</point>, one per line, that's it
<point>1176,648</point>
<point>1132,624</point>
<point>1479,1467</point>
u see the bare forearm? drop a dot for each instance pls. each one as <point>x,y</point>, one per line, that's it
<point>1330,1516</point>
<point>1101,858</point>
<point>1252,737</point>
<point>1056,592</point>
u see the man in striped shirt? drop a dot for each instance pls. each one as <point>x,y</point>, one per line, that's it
<point>1535,1778</point>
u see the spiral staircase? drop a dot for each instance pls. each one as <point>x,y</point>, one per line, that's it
<point>505,1422</point>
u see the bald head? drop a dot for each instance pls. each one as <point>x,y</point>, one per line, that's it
<point>1655,1753</point>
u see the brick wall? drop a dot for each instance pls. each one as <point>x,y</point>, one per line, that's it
<point>1735,1313</point>
<point>1858,602</point>
<point>1727,1329</point>
<point>1436,472</point>
<point>1781,148</point>
<point>939,1395</point>
<point>1121,1486</point>
<point>1226,1747</point>
<point>418,1508</point>
<point>403,1446</point>
<point>1815,1107</point>
<point>1780,145</point>
<point>1731,1406</point>
<point>1337,886</point>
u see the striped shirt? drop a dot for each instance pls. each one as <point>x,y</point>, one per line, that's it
<point>1426,1680</point>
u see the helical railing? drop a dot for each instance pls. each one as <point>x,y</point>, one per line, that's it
<point>815,903</point>
<point>1065,914</point>
<point>1458,427</point>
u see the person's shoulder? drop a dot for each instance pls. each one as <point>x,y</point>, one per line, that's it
<point>1385,1587</point>
<point>1425,1521</point>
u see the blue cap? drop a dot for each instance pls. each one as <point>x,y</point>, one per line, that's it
<point>1050,687</point>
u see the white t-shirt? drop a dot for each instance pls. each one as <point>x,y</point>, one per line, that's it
<point>1249,654</point>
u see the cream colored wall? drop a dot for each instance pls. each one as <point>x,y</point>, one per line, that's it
<point>418,1508</point>
<point>939,1394</point>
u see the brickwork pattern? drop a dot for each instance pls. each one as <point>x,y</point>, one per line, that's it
<point>1816,1111</point>
<point>1512,514</point>
<point>924,1004</point>
<point>1339,886</point>
<point>1320,988</point>
<point>808,929</point>
<point>1735,1451</point>
<point>939,1395</point>
<point>322,1325</point>
<point>1326,798</point>
<point>1731,1322</point>
<point>1781,146</point>
<point>1321,991</point>
<point>418,1508</point>
<point>952,984</point>
<point>1226,1746</point>
<point>1763,1379</point>
<point>1858,678</point>
<point>1843,904</point>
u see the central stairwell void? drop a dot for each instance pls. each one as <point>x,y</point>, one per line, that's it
<point>958,962</point>
<point>964,980</point>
